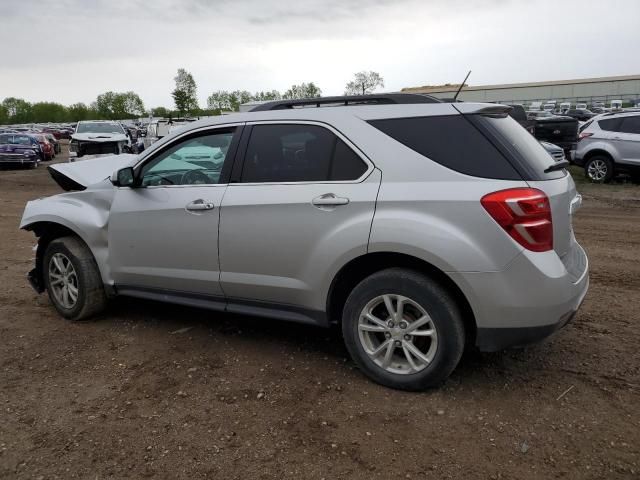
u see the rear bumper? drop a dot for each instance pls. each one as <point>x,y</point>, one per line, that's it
<point>496,339</point>
<point>534,297</point>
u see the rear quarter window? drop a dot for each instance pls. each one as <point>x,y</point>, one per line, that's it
<point>519,146</point>
<point>453,142</point>
<point>609,125</point>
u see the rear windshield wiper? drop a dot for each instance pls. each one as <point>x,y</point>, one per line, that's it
<point>557,166</point>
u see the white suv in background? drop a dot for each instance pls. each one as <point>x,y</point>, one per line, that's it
<point>610,144</point>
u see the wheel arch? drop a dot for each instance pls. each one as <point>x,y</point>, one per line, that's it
<point>361,267</point>
<point>46,231</point>
<point>598,152</point>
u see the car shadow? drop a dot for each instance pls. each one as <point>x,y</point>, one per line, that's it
<point>475,368</point>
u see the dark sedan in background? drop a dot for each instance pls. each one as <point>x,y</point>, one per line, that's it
<point>18,154</point>
<point>581,114</point>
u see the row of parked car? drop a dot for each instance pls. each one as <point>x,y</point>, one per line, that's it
<point>27,147</point>
<point>605,144</point>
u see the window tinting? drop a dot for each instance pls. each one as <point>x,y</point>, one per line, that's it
<point>610,124</point>
<point>630,124</point>
<point>452,141</point>
<point>346,164</point>
<point>298,153</point>
<point>520,146</point>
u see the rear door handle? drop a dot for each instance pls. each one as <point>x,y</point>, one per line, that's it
<point>198,205</point>
<point>329,200</point>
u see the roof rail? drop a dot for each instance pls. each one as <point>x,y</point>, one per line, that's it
<point>374,99</point>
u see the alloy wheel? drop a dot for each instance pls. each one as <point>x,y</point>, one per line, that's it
<point>397,334</point>
<point>597,170</point>
<point>63,280</point>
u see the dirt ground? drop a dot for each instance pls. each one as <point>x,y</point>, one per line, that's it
<point>151,390</point>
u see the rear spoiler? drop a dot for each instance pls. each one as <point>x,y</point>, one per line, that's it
<point>489,110</point>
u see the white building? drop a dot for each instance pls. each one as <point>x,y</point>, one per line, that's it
<point>583,90</point>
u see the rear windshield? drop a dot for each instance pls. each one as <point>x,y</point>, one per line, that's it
<point>585,125</point>
<point>451,141</point>
<point>519,146</point>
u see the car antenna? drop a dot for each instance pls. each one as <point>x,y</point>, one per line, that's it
<point>455,97</point>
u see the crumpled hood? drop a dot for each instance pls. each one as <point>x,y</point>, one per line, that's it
<point>79,175</point>
<point>99,137</point>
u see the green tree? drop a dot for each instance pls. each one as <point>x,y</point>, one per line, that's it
<point>238,97</point>
<point>219,100</point>
<point>18,110</point>
<point>4,115</point>
<point>267,96</point>
<point>118,106</point>
<point>160,112</point>
<point>364,83</point>
<point>78,111</point>
<point>48,112</point>
<point>185,93</point>
<point>223,100</point>
<point>304,90</point>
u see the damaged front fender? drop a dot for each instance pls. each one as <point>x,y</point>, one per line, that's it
<point>84,214</point>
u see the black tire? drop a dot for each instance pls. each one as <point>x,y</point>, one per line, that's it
<point>434,299</point>
<point>601,162</point>
<point>91,298</point>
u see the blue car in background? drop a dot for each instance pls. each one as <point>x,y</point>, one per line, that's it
<point>20,149</point>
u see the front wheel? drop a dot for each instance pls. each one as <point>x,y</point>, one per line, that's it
<point>72,279</point>
<point>599,169</point>
<point>403,329</point>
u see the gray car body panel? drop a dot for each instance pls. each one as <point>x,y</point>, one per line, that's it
<point>268,244</point>
<point>622,147</point>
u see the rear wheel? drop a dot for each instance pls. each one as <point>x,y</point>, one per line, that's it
<point>72,279</point>
<point>599,169</point>
<point>403,329</point>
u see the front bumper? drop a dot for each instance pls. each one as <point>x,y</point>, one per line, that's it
<point>538,294</point>
<point>35,280</point>
<point>19,160</point>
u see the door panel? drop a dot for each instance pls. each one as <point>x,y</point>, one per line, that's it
<point>163,234</point>
<point>628,145</point>
<point>276,245</point>
<point>157,241</point>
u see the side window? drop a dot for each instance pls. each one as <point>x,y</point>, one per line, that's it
<point>610,124</point>
<point>630,125</point>
<point>454,142</point>
<point>196,160</point>
<point>346,164</point>
<point>298,153</point>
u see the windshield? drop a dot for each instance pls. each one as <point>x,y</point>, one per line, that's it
<point>99,128</point>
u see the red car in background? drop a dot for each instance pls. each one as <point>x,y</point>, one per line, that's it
<point>53,141</point>
<point>47,147</point>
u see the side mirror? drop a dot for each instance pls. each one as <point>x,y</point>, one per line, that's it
<point>124,177</point>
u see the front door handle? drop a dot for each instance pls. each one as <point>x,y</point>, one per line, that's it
<point>198,205</point>
<point>329,200</point>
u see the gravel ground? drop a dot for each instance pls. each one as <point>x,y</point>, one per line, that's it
<point>151,390</point>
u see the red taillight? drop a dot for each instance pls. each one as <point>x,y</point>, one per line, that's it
<point>525,214</point>
<point>584,135</point>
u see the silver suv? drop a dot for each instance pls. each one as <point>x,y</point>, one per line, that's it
<point>610,144</point>
<point>418,227</point>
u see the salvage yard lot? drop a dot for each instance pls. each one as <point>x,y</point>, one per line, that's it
<point>150,390</point>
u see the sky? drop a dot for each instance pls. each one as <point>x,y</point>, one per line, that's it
<point>70,51</point>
